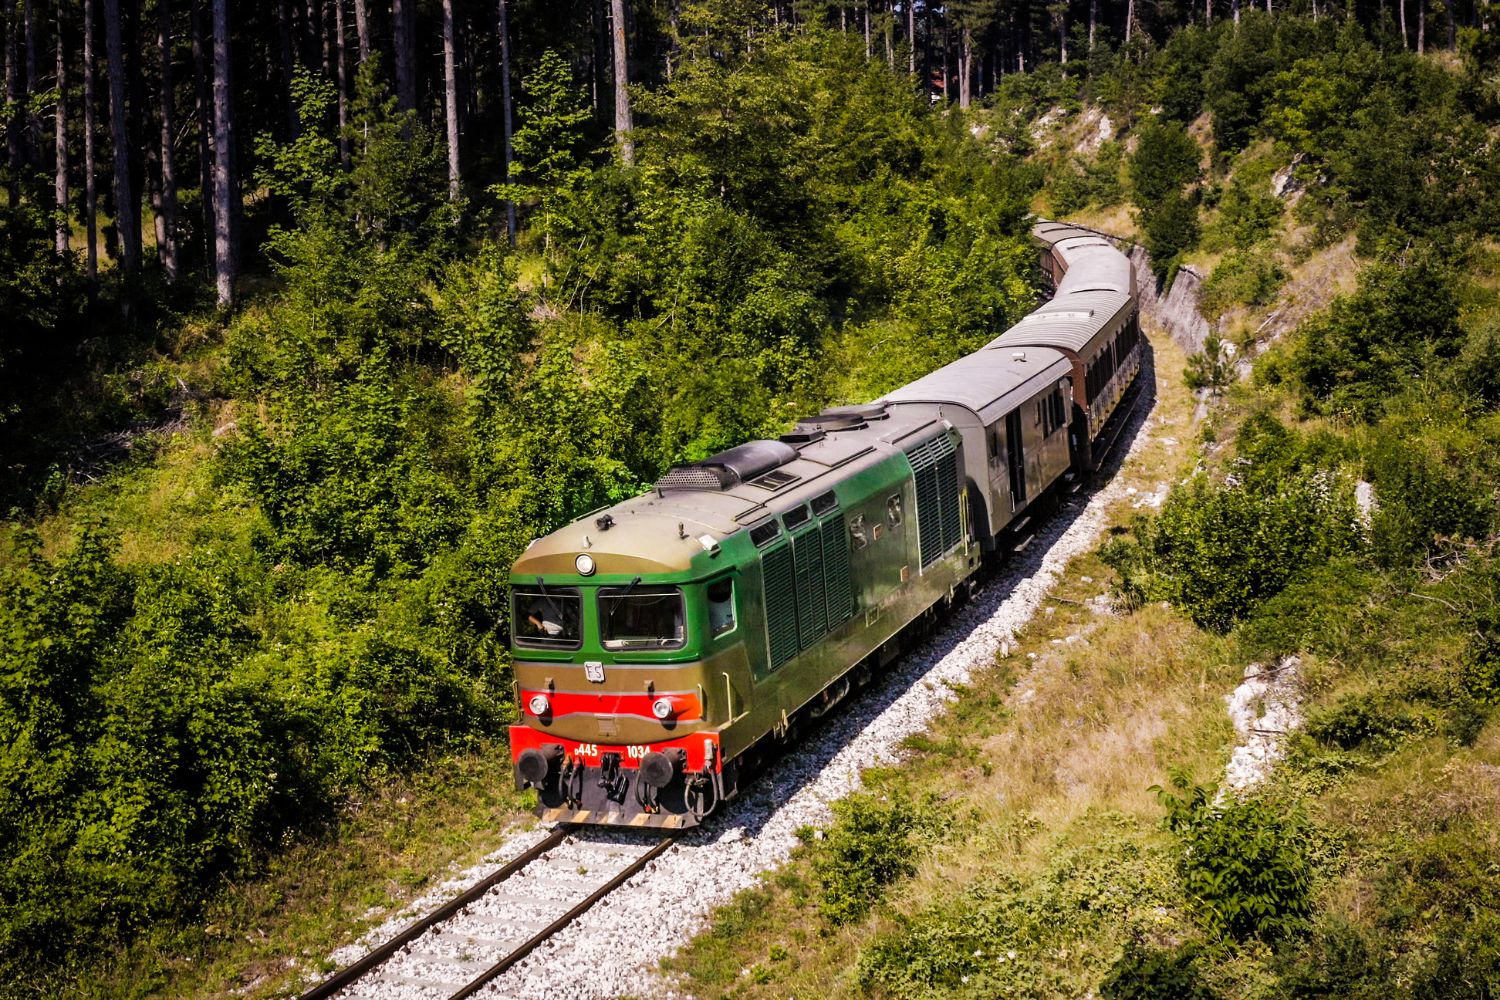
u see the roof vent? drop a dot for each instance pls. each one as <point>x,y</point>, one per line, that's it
<point>730,468</point>
<point>807,431</point>
<point>848,418</point>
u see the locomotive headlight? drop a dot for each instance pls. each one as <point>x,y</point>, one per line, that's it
<point>538,705</point>
<point>585,564</point>
<point>662,708</point>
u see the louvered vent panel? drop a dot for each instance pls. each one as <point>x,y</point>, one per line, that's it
<point>836,564</point>
<point>931,486</point>
<point>812,613</point>
<point>781,604</point>
<point>947,476</point>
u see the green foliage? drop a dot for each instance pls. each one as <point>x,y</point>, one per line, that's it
<point>1217,550</point>
<point>1244,862</point>
<point>1369,345</point>
<point>1374,720</point>
<point>1247,211</point>
<point>1243,277</point>
<point>1096,184</point>
<point>1145,973</point>
<point>306,171</point>
<point>1165,161</point>
<point>1210,368</point>
<point>872,843</point>
<point>1006,932</point>
<point>549,137</point>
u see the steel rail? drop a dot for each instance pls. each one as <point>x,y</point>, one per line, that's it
<point>358,970</point>
<point>530,945</point>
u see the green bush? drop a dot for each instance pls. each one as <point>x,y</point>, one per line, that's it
<point>1051,931</point>
<point>872,843</point>
<point>1217,550</point>
<point>1374,719</point>
<point>1145,973</point>
<point>1244,863</point>
<point>1243,277</point>
<point>1338,959</point>
<point>1369,346</point>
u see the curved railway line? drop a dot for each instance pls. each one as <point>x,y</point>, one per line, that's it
<point>460,947</point>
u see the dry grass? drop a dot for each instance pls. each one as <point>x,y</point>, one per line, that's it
<point>1117,220</point>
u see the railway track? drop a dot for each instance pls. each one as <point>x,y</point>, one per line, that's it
<point>457,949</point>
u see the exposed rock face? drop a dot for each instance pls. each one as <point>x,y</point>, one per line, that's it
<point>1177,310</point>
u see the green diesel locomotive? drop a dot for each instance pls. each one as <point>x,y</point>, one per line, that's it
<point>664,646</point>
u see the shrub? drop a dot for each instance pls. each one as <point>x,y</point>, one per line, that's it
<point>1217,550</point>
<point>871,844</point>
<point>1242,277</point>
<point>1373,719</point>
<point>1368,346</point>
<point>1338,959</point>
<point>1243,863</point>
<point>1145,973</point>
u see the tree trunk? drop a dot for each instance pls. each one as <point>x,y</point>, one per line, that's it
<point>60,140</point>
<point>125,216</point>
<point>284,32</point>
<point>600,64</point>
<point>868,50</point>
<point>34,85</point>
<point>1452,25</point>
<point>341,70</point>
<point>1421,27</point>
<point>1401,13</point>
<point>203,112</point>
<point>965,69</point>
<point>1062,34</point>
<point>90,188</point>
<point>911,38</point>
<point>674,46</point>
<point>166,219</point>
<point>362,28</point>
<point>1208,11</point>
<point>1130,17</point>
<point>622,85</point>
<point>223,245</point>
<point>510,206</point>
<point>450,100</point>
<point>1234,10</point>
<point>14,154</point>
<point>890,47</point>
<point>406,72</point>
<point>1093,21</point>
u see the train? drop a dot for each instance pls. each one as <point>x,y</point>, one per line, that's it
<point>666,646</point>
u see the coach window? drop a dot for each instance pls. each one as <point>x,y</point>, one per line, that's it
<point>721,606</point>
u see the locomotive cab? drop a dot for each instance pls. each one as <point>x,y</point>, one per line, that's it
<point>624,667</point>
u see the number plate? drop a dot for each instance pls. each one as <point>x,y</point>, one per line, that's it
<point>594,671</point>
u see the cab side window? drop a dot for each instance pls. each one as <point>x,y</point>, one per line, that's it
<point>721,606</point>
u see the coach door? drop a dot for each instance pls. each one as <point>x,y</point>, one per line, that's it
<point>1015,458</point>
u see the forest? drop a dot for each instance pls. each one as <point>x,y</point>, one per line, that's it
<point>315,313</point>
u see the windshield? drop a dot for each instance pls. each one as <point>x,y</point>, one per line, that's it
<point>637,617</point>
<point>546,618</point>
